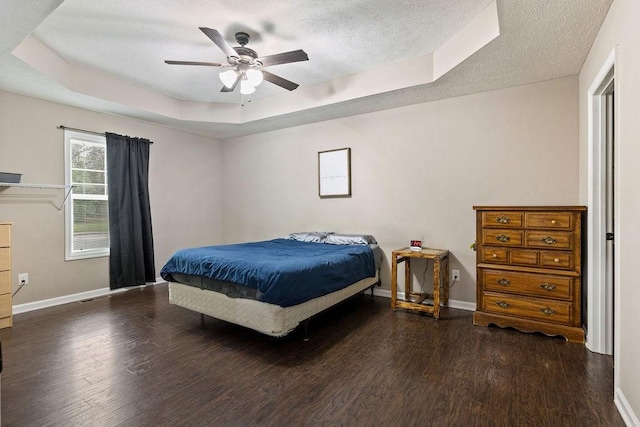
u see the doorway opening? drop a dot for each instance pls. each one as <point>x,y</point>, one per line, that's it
<point>602,212</point>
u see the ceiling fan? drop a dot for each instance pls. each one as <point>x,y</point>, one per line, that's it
<point>246,66</point>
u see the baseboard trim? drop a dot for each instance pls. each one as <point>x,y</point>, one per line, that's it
<point>81,296</point>
<point>625,410</point>
<point>52,302</point>
<point>462,305</point>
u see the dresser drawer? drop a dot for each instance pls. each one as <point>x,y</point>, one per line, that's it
<point>524,257</point>
<point>502,237</point>
<point>538,285</point>
<point>5,305</point>
<point>495,255</point>
<point>5,282</point>
<point>557,259</point>
<point>502,219</point>
<point>531,308</point>
<point>515,256</point>
<point>5,235</point>
<point>549,239</point>
<point>5,259</point>
<point>549,220</point>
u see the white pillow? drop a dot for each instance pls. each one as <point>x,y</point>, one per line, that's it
<point>350,239</point>
<point>310,236</point>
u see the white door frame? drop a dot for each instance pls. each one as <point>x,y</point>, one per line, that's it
<point>599,327</point>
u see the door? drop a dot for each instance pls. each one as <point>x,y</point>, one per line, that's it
<point>609,215</point>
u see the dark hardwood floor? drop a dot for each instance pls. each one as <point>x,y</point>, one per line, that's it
<point>132,359</point>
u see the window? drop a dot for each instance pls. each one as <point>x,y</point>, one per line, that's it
<point>86,213</point>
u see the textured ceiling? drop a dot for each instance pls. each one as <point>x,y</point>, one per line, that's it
<point>128,41</point>
<point>131,39</point>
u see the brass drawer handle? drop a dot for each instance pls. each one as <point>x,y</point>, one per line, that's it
<point>503,220</point>
<point>503,304</point>
<point>548,311</point>
<point>503,282</point>
<point>553,221</point>
<point>549,240</point>
<point>503,238</point>
<point>556,260</point>
<point>547,286</point>
<point>495,255</point>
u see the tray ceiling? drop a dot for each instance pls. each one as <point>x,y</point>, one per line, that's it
<point>365,55</point>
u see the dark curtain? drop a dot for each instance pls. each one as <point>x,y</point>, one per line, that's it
<point>131,261</point>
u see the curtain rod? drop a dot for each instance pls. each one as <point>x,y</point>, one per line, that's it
<point>80,130</point>
<point>86,131</point>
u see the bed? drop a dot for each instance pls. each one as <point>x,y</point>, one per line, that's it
<point>272,286</point>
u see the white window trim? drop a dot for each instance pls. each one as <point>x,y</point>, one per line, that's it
<point>69,254</point>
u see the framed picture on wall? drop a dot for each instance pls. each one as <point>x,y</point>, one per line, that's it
<point>334,173</point>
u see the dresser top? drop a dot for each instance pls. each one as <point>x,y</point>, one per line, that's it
<point>530,208</point>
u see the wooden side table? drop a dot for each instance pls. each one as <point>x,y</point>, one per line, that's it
<point>414,300</point>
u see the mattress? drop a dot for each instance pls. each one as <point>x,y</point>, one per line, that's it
<point>235,290</point>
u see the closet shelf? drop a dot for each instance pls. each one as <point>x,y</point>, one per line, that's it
<point>55,194</point>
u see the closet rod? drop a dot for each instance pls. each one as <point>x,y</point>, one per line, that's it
<point>86,131</point>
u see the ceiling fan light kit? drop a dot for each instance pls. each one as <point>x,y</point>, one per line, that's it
<point>254,77</point>
<point>246,88</point>
<point>246,65</point>
<point>228,78</point>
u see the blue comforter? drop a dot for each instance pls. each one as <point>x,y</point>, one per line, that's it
<point>285,272</point>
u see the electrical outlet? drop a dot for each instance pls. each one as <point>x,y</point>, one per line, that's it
<point>456,275</point>
<point>23,279</point>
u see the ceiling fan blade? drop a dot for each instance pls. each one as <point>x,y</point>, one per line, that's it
<point>210,64</point>
<point>277,80</point>
<point>283,58</point>
<point>232,88</point>
<point>217,38</point>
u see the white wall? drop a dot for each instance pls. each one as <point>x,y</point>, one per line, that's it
<point>416,171</point>
<point>185,191</point>
<point>621,29</point>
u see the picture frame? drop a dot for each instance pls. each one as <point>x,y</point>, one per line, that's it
<point>334,173</point>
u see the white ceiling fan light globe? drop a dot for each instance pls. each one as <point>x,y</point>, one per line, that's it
<point>246,88</point>
<point>228,78</point>
<point>254,77</point>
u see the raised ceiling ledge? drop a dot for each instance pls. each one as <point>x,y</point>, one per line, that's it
<point>102,86</point>
<point>408,73</point>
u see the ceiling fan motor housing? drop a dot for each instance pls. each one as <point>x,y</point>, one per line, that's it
<point>247,56</point>
<point>246,52</point>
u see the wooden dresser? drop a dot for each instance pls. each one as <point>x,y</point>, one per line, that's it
<point>529,268</point>
<point>5,275</point>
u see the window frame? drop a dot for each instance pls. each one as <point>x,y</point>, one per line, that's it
<point>70,254</point>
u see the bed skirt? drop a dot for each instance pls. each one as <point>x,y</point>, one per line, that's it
<point>263,317</point>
